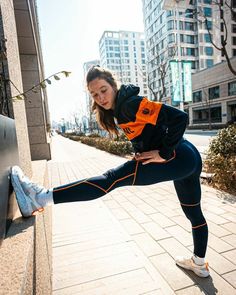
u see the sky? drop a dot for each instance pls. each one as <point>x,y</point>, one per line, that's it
<point>70,31</point>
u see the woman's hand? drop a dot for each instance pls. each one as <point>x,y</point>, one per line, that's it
<point>149,157</point>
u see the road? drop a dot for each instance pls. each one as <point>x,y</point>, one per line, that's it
<point>201,139</point>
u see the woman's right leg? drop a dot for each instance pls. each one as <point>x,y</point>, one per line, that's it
<point>129,173</point>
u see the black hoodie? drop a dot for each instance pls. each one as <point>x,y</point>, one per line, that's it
<point>147,124</point>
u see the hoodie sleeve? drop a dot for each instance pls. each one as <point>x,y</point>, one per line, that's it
<point>175,121</point>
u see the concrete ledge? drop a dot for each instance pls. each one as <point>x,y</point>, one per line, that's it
<point>25,254</point>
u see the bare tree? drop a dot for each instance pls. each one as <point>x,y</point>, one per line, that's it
<point>223,7</point>
<point>160,62</point>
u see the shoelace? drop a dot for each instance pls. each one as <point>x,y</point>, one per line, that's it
<point>30,185</point>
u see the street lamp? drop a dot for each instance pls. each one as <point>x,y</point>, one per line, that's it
<point>177,6</point>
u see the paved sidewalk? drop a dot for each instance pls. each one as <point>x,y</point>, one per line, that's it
<point>124,243</point>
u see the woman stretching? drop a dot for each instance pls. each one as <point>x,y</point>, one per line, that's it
<point>161,154</point>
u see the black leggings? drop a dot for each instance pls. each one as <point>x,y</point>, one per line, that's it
<point>184,170</point>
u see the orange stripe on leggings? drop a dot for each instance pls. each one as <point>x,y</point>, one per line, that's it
<point>105,191</point>
<point>96,186</point>
<point>189,205</point>
<point>119,180</point>
<point>72,185</point>
<point>194,227</point>
<point>135,173</point>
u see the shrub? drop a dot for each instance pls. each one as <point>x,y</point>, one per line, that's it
<point>221,159</point>
<point>121,148</point>
<point>93,135</point>
<point>121,137</point>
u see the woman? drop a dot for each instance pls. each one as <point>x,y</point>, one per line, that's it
<point>161,154</point>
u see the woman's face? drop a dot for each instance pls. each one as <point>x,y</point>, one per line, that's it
<point>102,93</point>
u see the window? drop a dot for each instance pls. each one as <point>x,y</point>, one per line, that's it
<point>232,88</point>
<point>208,25</point>
<point>190,52</point>
<point>207,11</point>
<point>207,1</point>
<point>234,40</point>
<point>197,96</point>
<point>214,92</point>
<point>209,63</point>
<point>195,65</point>
<point>207,38</point>
<point>234,52</point>
<point>233,28</point>
<point>171,38</point>
<point>221,27</point>
<point>209,51</point>
<point>189,39</point>
<point>189,13</point>
<point>169,13</point>
<point>170,25</point>
<point>189,26</point>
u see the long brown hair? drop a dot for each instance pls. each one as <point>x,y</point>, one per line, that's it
<point>105,118</point>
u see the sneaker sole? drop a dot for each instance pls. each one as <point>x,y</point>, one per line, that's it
<point>202,275</point>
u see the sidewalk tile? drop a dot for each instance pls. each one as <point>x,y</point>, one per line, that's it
<point>174,248</point>
<point>217,230</point>
<point>183,222</point>
<point>147,244</point>
<point>215,218</point>
<point>230,239</point>
<point>161,220</point>
<point>120,213</point>
<point>146,209</point>
<point>231,226</point>
<point>139,216</point>
<point>180,234</point>
<point>231,278</point>
<point>131,226</point>
<point>175,277</point>
<point>218,244</point>
<point>155,231</point>
<point>230,255</point>
<point>194,290</point>
<point>124,283</point>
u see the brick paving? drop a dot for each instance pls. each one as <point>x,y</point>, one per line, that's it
<point>125,242</point>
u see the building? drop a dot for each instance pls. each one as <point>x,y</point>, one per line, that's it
<point>89,121</point>
<point>123,52</point>
<point>25,244</point>
<point>165,30</point>
<point>214,93</point>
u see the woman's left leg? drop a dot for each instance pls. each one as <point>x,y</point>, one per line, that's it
<point>189,194</point>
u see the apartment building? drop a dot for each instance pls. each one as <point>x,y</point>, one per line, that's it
<point>184,36</point>
<point>124,53</point>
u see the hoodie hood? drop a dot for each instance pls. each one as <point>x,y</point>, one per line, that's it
<point>124,92</point>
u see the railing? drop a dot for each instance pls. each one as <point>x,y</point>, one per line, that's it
<point>8,157</point>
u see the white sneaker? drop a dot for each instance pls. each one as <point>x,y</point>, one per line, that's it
<point>26,192</point>
<point>188,263</point>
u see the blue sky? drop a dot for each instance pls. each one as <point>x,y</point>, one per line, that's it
<point>70,32</point>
